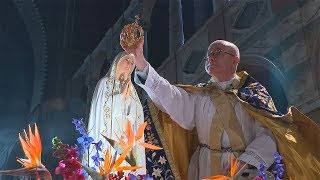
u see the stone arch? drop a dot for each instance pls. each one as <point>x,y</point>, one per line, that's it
<point>27,51</point>
<point>269,75</point>
<point>34,24</point>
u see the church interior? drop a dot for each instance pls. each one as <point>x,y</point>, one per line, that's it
<point>65,47</point>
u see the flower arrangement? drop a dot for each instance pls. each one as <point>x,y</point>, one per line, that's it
<point>277,170</point>
<point>233,167</point>
<point>263,174</point>
<point>69,166</point>
<point>108,167</point>
<point>32,148</point>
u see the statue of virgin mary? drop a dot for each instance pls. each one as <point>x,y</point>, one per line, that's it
<point>115,101</point>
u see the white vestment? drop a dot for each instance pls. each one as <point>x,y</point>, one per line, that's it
<point>196,110</point>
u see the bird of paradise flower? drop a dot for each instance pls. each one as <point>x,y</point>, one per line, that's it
<point>111,163</point>
<point>32,148</point>
<point>233,170</point>
<point>130,141</point>
<point>132,138</point>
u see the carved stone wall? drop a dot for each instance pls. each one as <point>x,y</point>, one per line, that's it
<point>275,37</point>
<point>279,38</point>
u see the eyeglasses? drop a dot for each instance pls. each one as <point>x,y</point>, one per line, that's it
<point>217,53</point>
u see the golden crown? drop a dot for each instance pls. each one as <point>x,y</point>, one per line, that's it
<point>130,34</point>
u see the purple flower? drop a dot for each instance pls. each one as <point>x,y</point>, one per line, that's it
<point>79,125</point>
<point>277,157</point>
<point>261,172</point>
<point>87,141</point>
<point>82,131</point>
<point>98,145</point>
<point>84,142</point>
<point>278,169</point>
<point>147,177</point>
<point>132,177</point>
<point>77,122</point>
<point>96,158</point>
<point>80,140</point>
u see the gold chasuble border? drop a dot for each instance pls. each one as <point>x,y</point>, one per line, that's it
<point>162,138</point>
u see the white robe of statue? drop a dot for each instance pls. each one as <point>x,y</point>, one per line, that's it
<point>109,113</point>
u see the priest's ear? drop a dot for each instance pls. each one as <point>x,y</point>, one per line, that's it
<point>236,59</point>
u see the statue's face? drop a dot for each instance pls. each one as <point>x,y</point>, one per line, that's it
<point>126,65</point>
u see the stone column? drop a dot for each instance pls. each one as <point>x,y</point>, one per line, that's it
<point>146,12</point>
<point>202,11</point>
<point>176,37</point>
<point>217,6</point>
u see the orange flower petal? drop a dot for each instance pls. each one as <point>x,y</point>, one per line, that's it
<point>38,139</point>
<point>129,133</point>
<point>217,177</point>
<point>122,142</point>
<point>233,168</point>
<point>107,161</point>
<point>32,148</point>
<point>26,149</point>
<point>25,163</point>
<point>150,146</point>
<point>122,157</point>
<point>141,131</point>
<point>101,171</point>
<point>33,143</point>
<point>128,129</point>
<point>131,168</point>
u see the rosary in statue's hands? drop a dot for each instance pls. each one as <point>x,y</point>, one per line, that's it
<point>124,84</point>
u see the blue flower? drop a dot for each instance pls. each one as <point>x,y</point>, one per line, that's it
<point>84,142</point>
<point>80,140</point>
<point>82,131</point>
<point>147,177</point>
<point>77,122</point>
<point>261,172</point>
<point>87,142</point>
<point>277,157</point>
<point>96,158</point>
<point>278,169</point>
<point>132,177</point>
<point>98,145</point>
<point>79,126</point>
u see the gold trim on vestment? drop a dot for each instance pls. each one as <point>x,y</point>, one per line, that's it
<point>228,122</point>
<point>155,120</point>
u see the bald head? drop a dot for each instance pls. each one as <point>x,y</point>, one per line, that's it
<point>222,60</point>
<point>225,45</point>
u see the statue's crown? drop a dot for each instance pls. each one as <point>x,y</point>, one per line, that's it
<point>130,34</point>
